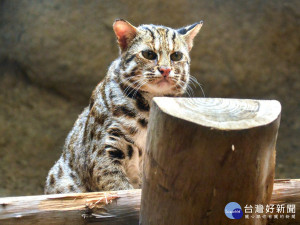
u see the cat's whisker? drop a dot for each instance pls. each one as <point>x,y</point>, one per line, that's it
<point>194,79</point>
<point>175,80</point>
<point>130,88</point>
<point>143,83</point>
<point>130,78</point>
<point>193,83</point>
<point>188,90</point>
<point>191,90</point>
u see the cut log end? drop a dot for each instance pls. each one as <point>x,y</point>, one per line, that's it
<point>220,113</point>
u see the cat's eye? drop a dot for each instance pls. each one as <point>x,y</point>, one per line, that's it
<point>176,56</point>
<point>148,54</point>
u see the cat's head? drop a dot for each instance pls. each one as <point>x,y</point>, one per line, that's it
<point>155,59</point>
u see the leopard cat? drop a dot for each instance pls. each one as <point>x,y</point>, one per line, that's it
<point>104,149</point>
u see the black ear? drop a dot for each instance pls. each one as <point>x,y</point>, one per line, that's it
<point>189,33</point>
<point>125,33</point>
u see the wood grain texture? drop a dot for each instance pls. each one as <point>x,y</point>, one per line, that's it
<point>220,113</point>
<point>204,153</point>
<point>124,209</point>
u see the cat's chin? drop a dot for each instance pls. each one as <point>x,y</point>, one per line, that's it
<point>162,88</point>
<point>164,83</point>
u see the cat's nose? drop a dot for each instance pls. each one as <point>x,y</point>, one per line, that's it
<point>165,71</point>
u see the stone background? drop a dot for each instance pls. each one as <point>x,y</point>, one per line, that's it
<point>53,53</point>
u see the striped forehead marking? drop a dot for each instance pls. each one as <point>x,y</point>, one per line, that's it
<point>163,37</point>
<point>164,40</point>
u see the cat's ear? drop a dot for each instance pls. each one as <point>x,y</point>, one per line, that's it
<point>190,32</point>
<point>125,33</point>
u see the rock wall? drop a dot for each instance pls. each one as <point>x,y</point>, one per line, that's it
<point>53,53</point>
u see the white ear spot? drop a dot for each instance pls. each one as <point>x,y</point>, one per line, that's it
<point>190,32</point>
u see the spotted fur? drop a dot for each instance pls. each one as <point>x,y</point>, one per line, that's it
<point>104,149</point>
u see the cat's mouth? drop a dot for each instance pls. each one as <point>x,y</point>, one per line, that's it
<point>162,85</point>
<point>165,81</point>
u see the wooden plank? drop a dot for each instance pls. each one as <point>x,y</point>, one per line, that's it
<point>122,207</point>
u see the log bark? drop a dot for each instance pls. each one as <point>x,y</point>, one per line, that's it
<point>124,207</point>
<point>204,153</point>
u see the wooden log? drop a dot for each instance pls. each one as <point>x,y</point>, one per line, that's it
<point>204,153</point>
<point>107,208</point>
<point>286,191</point>
<point>124,207</point>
